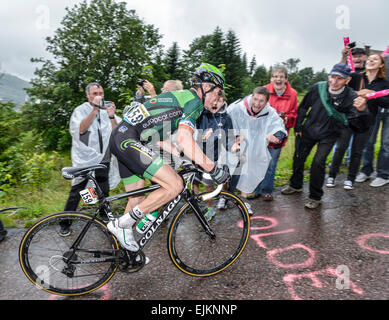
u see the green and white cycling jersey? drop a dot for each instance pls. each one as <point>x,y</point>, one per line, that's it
<point>164,114</point>
<point>154,119</point>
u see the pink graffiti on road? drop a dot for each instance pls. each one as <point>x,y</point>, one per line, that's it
<point>273,223</point>
<point>105,292</point>
<point>306,264</point>
<point>290,279</point>
<point>363,239</point>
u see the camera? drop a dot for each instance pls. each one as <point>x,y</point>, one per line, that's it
<point>140,82</point>
<point>104,104</point>
<point>352,45</point>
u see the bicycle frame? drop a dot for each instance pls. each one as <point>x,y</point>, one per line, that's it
<point>186,194</point>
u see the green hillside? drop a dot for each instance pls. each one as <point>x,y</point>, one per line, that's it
<point>12,89</point>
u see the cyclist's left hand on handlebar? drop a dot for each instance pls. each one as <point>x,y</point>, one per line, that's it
<point>220,174</point>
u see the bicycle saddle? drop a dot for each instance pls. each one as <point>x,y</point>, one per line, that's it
<point>70,173</point>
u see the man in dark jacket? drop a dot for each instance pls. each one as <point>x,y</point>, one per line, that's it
<point>328,105</point>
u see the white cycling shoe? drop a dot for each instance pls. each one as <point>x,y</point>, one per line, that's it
<point>124,236</point>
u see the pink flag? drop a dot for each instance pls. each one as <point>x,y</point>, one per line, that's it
<point>350,61</point>
<point>386,52</point>
<point>378,94</point>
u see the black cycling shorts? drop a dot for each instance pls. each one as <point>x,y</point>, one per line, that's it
<point>136,161</point>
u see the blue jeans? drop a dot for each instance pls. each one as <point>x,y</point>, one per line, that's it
<point>348,154</point>
<point>383,157</point>
<point>267,184</point>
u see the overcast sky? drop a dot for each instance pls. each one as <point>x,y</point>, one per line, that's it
<point>273,31</point>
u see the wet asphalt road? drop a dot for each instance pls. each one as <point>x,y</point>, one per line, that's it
<point>337,252</point>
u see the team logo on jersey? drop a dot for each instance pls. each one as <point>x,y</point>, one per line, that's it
<point>157,120</point>
<point>153,101</point>
<point>124,145</point>
<point>122,129</point>
<point>166,100</point>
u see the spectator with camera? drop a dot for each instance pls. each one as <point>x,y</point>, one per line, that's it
<point>370,81</point>
<point>359,56</point>
<point>143,87</point>
<point>172,85</point>
<point>146,86</point>
<point>382,167</point>
<point>91,125</point>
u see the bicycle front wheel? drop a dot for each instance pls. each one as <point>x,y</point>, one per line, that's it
<point>195,252</point>
<point>51,263</point>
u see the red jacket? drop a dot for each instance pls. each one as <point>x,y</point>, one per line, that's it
<point>287,103</point>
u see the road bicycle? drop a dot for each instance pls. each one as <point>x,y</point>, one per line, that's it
<point>88,258</point>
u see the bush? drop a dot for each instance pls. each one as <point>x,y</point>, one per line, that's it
<point>26,162</point>
<point>37,170</point>
<point>6,179</point>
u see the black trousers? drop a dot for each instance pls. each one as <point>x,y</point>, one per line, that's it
<point>359,143</point>
<point>74,198</point>
<point>318,168</point>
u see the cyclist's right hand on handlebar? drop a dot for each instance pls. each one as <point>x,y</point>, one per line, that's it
<point>220,174</point>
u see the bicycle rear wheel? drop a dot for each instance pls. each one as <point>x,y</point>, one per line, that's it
<point>194,252</point>
<point>48,262</point>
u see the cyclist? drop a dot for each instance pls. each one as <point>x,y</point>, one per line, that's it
<point>165,113</point>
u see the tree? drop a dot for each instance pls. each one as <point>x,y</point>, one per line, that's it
<point>292,65</point>
<point>296,82</point>
<point>319,76</point>
<point>253,66</point>
<point>98,41</point>
<point>195,55</point>
<point>306,76</point>
<point>216,51</point>
<point>261,76</point>
<point>172,62</point>
<point>234,67</point>
<point>220,50</point>
<point>207,48</point>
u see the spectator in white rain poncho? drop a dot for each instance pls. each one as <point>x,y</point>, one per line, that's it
<point>90,126</point>
<point>257,124</point>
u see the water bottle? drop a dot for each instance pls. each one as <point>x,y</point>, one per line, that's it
<point>146,222</point>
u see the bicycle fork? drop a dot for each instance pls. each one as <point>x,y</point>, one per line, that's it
<point>194,203</point>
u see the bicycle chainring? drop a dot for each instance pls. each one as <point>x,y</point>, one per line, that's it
<point>131,261</point>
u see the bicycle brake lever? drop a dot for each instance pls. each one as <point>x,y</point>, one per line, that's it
<point>213,193</point>
<point>186,164</point>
